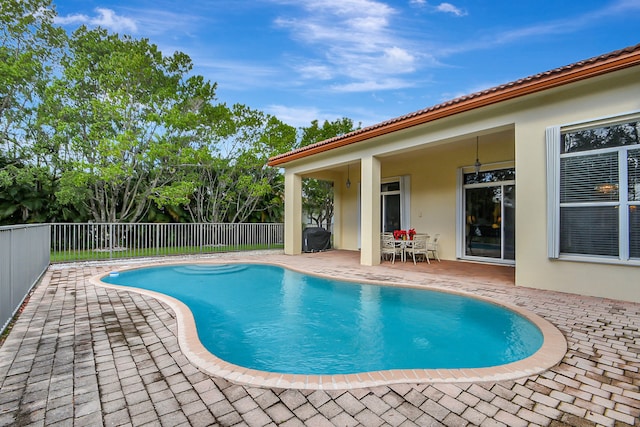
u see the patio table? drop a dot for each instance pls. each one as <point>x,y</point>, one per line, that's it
<point>403,245</point>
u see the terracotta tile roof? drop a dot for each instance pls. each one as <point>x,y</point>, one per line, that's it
<point>592,67</point>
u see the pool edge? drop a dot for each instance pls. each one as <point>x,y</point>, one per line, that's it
<point>553,349</point>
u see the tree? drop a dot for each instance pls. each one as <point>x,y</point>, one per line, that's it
<point>317,200</point>
<point>121,117</point>
<point>29,45</point>
<point>22,196</point>
<point>230,181</point>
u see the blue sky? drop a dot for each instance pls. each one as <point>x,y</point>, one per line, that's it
<point>368,60</point>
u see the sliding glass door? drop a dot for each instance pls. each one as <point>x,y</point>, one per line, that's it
<point>489,206</point>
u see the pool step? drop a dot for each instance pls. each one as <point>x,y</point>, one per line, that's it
<point>210,269</point>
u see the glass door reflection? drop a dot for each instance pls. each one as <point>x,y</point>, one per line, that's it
<point>490,216</point>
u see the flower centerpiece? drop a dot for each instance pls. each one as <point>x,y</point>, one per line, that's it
<point>400,234</point>
<point>404,234</point>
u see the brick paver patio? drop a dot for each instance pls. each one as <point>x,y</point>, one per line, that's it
<point>84,355</point>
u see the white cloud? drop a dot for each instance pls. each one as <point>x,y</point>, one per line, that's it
<point>371,85</point>
<point>572,24</point>
<point>303,116</point>
<point>108,19</point>
<point>399,59</point>
<point>298,116</point>
<point>449,8</point>
<point>146,22</point>
<point>442,7</point>
<point>234,75</point>
<point>76,18</point>
<point>352,40</point>
<point>163,22</point>
<point>105,18</point>
<point>567,25</point>
<point>315,71</point>
<point>344,7</point>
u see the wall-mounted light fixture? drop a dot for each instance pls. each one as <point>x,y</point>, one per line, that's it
<point>348,181</point>
<point>477,164</point>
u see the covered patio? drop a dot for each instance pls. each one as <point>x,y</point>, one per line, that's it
<point>85,355</point>
<point>426,182</point>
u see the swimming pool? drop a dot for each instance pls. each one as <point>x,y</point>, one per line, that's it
<point>265,318</point>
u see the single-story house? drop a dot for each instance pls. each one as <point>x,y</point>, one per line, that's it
<point>542,173</point>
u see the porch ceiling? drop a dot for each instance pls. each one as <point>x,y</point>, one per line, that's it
<point>466,142</point>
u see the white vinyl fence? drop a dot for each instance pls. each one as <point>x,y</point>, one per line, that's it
<point>88,241</point>
<point>27,250</point>
<point>24,257</point>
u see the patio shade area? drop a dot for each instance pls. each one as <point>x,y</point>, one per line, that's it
<point>81,355</point>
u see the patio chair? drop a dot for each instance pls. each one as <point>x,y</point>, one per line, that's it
<point>417,247</point>
<point>388,248</point>
<point>432,247</point>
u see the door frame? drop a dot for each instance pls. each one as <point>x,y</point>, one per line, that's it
<point>461,237</point>
<point>405,199</point>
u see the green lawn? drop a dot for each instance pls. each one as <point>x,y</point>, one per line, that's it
<point>90,255</point>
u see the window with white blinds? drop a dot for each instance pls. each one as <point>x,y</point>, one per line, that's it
<point>633,188</point>
<point>594,190</point>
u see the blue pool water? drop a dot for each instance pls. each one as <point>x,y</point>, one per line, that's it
<point>273,319</point>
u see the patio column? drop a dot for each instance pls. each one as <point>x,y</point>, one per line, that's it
<point>292,213</point>
<point>336,230</point>
<point>370,208</point>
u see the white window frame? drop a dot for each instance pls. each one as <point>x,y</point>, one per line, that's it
<point>553,152</point>
<point>405,199</point>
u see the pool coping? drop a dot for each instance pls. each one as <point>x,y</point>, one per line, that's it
<point>553,348</point>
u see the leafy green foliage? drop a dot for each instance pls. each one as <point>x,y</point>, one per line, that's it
<point>29,45</point>
<point>229,178</point>
<point>103,127</point>
<point>26,194</point>
<point>121,117</point>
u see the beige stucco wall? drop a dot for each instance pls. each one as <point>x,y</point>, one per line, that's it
<point>434,174</point>
<point>513,130</point>
<point>601,98</point>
